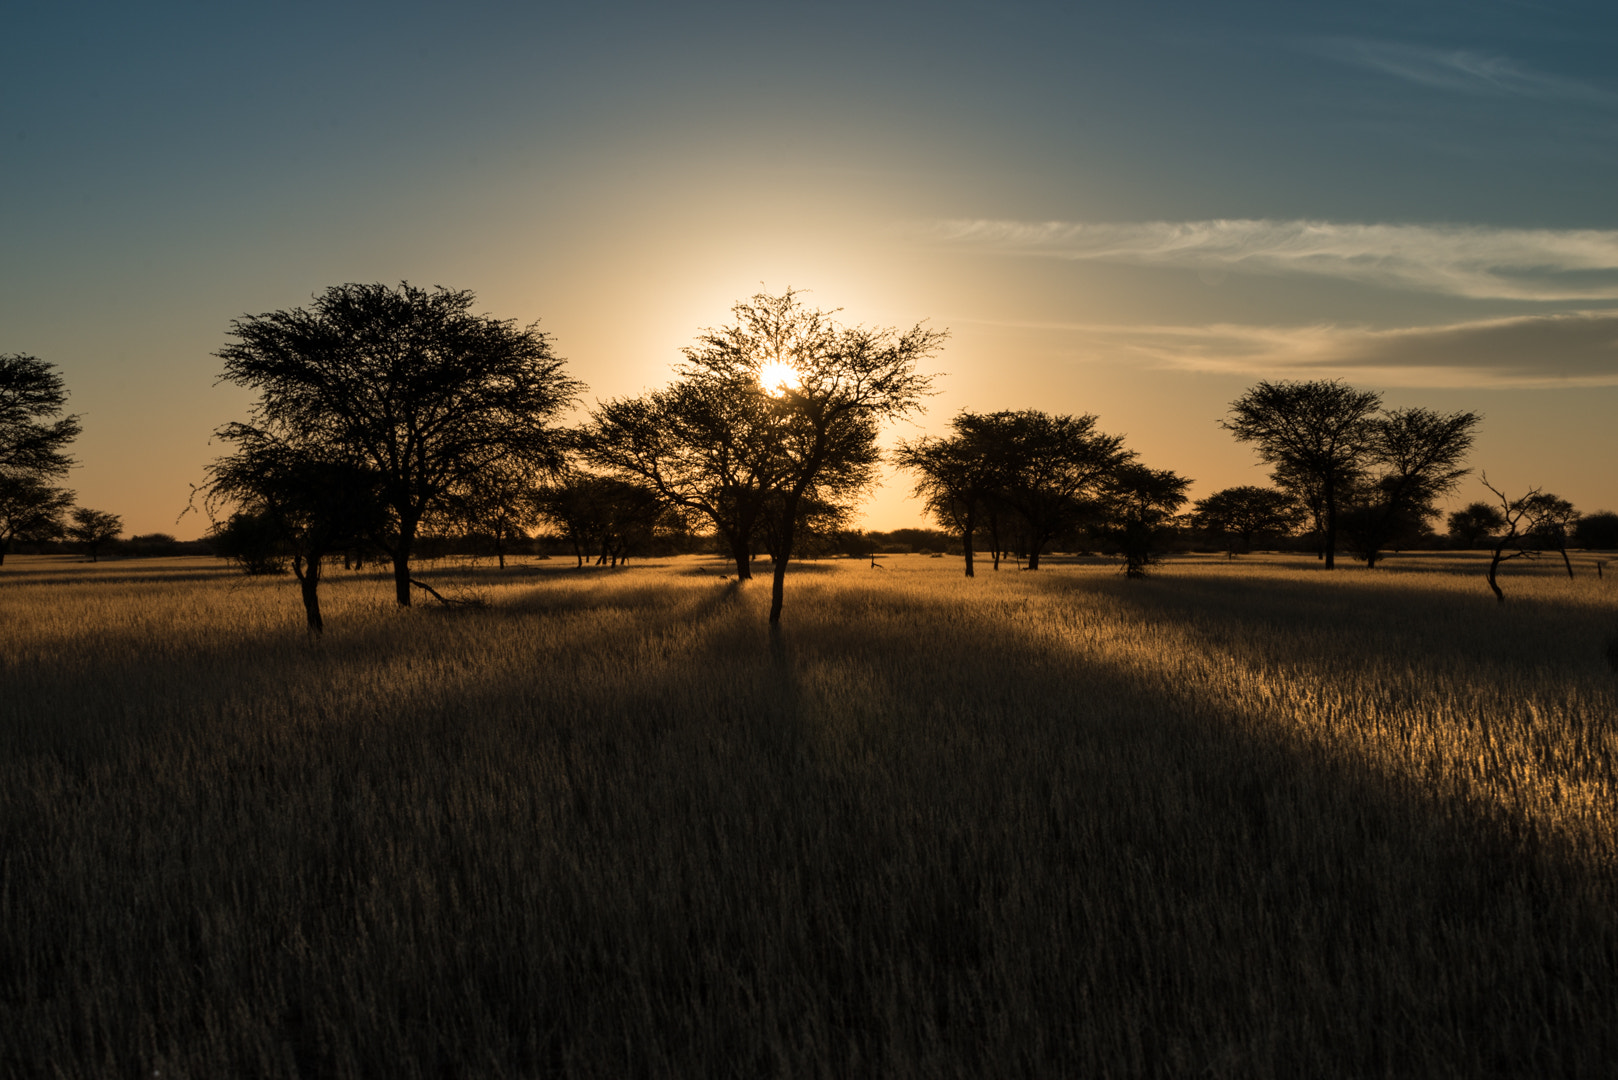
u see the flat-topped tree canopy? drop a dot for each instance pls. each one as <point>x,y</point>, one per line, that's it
<point>1316,434</point>
<point>410,383</point>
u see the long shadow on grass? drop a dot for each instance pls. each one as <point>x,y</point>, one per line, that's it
<point>1415,622</point>
<point>1248,905</point>
<point>96,579</point>
<point>983,853</point>
<point>121,688</point>
<point>945,844</point>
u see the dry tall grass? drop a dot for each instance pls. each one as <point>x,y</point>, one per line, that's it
<point>1247,820</point>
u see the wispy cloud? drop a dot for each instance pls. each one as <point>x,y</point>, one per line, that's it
<point>1578,349</point>
<point>1474,261</point>
<point>1463,71</point>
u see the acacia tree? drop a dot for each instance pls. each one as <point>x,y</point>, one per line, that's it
<point>30,509</point>
<point>1554,521</point>
<point>603,516</point>
<point>94,529</point>
<point>706,445</point>
<point>826,389</point>
<point>1416,456</point>
<point>251,540</point>
<point>1246,511</point>
<point>33,449</point>
<point>1053,470</point>
<point>310,497</point>
<point>1474,523</point>
<point>1307,496</point>
<point>408,384</point>
<point>1597,530</point>
<point>33,433</point>
<point>957,477</point>
<point>1315,433</point>
<point>1530,524</point>
<point>502,506</point>
<point>1138,504</point>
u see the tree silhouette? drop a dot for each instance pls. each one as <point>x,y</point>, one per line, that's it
<point>1597,530</point>
<point>252,540</point>
<point>1554,520</point>
<point>958,477</point>
<point>1054,470</point>
<point>1244,512</point>
<point>314,498</point>
<point>1316,434</point>
<point>1138,504</point>
<point>33,449</point>
<point>819,521</point>
<point>33,433</point>
<point>30,509</point>
<point>825,389</point>
<point>1416,456</point>
<point>1474,523</point>
<point>604,517</point>
<point>501,504</point>
<point>1530,524</point>
<point>93,529</point>
<point>408,384</point>
<point>707,445</point>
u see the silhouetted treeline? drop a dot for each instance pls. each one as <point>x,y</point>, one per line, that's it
<point>144,546</point>
<point>395,424</point>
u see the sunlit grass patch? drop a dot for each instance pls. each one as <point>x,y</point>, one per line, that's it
<point>1242,817</point>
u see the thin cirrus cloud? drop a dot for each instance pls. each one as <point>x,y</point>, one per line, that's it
<point>1463,71</point>
<point>1471,261</point>
<point>1569,349</point>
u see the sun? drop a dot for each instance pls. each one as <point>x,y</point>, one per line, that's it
<point>777,378</point>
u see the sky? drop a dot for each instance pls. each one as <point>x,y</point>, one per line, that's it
<point>1136,211</point>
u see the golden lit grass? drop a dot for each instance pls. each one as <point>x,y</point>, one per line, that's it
<point>1239,819</point>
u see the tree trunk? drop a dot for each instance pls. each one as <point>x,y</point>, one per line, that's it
<point>401,562</point>
<point>966,546</point>
<point>1033,555</point>
<point>1494,564</point>
<point>789,521</point>
<point>743,557</point>
<point>1567,562</point>
<point>401,578</point>
<point>1330,539</point>
<point>309,584</point>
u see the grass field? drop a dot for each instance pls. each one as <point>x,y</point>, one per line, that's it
<point>1240,820</point>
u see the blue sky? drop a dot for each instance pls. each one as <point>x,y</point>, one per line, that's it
<point>1133,210</point>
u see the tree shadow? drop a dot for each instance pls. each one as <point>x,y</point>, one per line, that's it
<point>1288,889</point>
<point>92,702</point>
<point>155,578</point>
<point>954,837</point>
